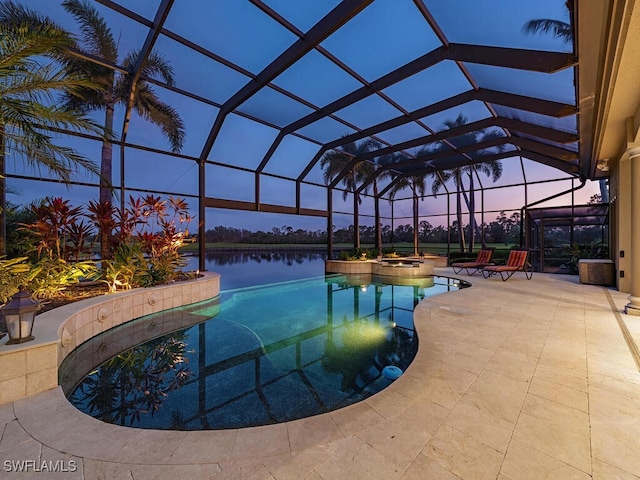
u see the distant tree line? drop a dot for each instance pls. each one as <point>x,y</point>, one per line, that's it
<point>284,234</point>
<point>502,230</point>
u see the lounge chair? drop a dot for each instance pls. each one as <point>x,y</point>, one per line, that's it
<point>482,260</point>
<point>517,262</point>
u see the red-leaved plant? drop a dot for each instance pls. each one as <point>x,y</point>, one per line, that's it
<point>139,246</point>
<point>61,250</point>
<point>142,243</point>
<point>60,230</point>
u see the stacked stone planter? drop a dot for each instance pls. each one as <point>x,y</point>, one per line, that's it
<point>32,367</point>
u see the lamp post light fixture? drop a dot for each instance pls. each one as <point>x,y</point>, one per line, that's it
<point>19,315</point>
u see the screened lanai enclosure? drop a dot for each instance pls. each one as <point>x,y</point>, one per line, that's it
<point>336,113</point>
<point>560,236</point>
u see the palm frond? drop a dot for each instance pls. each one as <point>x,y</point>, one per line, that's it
<point>22,42</point>
<point>156,66</point>
<point>151,108</point>
<point>14,15</point>
<point>557,28</point>
<point>332,163</point>
<point>39,149</point>
<point>459,121</point>
<point>400,183</point>
<point>39,82</point>
<point>439,182</point>
<point>39,34</point>
<point>28,110</point>
<point>96,33</point>
<point>99,94</point>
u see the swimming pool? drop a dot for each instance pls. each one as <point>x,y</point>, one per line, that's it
<point>254,356</point>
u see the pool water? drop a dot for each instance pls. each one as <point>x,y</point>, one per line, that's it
<point>256,355</point>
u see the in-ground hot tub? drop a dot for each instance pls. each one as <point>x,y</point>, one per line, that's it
<point>396,267</point>
<point>399,261</point>
<point>402,268</point>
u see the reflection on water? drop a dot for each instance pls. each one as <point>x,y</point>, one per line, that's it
<point>270,354</point>
<point>287,258</point>
<point>135,383</point>
<point>257,267</point>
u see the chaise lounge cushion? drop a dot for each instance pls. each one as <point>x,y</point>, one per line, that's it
<point>516,262</point>
<point>483,259</point>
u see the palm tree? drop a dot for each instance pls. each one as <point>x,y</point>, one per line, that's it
<point>558,28</point>
<point>456,175</point>
<point>417,185</point>
<point>31,47</point>
<point>115,87</point>
<point>372,171</point>
<point>334,162</point>
<point>491,168</point>
<point>562,30</point>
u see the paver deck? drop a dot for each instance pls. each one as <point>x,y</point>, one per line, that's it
<point>513,380</point>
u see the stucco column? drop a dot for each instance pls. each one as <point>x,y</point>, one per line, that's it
<point>633,307</point>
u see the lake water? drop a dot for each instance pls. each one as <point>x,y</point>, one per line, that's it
<point>246,269</point>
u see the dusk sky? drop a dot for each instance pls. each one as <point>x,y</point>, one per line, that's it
<point>384,36</point>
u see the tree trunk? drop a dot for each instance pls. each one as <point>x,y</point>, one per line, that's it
<point>391,235</point>
<point>106,182</point>
<point>106,160</point>
<point>378,228</point>
<point>472,219</point>
<point>329,224</point>
<point>416,237</point>
<point>3,196</point>
<point>356,214</point>
<point>459,212</point>
<point>356,222</point>
<point>472,213</point>
<point>459,218</point>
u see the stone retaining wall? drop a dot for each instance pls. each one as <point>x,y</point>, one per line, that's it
<point>344,266</point>
<point>32,367</point>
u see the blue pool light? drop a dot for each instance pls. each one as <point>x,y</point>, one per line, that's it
<point>391,372</point>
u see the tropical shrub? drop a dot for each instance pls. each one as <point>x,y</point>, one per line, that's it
<point>14,272</point>
<point>166,233</point>
<point>45,279</point>
<point>577,251</point>
<point>60,239</point>
<point>103,216</point>
<point>50,276</point>
<point>59,230</point>
<point>143,244</point>
<point>358,254</point>
<point>126,268</point>
<point>146,243</point>
<point>19,241</point>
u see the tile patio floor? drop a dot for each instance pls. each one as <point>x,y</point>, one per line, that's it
<point>513,381</point>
